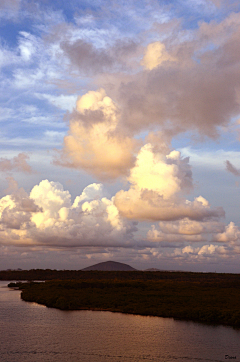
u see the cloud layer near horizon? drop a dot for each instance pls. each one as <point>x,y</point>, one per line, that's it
<point>46,219</point>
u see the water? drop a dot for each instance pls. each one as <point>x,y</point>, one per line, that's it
<point>32,333</point>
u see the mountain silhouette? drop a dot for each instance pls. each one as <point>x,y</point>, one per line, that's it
<point>110,266</point>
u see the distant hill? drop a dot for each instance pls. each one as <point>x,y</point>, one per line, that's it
<point>152,269</point>
<point>110,266</point>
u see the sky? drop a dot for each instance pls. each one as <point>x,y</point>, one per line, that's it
<point>119,134</point>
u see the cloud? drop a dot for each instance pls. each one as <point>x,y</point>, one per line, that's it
<point>16,211</point>
<point>186,230</point>
<point>93,142</point>
<point>91,192</point>
<point>53,201</point>
<point>191,227</point>
<point>232,169</point>
<point>164,174</point>
<point>198,91</point>
<point>47,220</point>
<point>27,46</point>
<point>9,9</point>
<point>12,185</point>
<point>48,217</point>
<point>93,51</point>
<point>208,250</point>
<point>156,192</point>
<point>230,235</point>
<point>10,4</point>
<point>65,102</point>
<point>18,163</point>
<point>155,55</point>
<point>84,56</point>
<point>156,78</point>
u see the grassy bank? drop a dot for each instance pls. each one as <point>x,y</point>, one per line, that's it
<point>207,298</point>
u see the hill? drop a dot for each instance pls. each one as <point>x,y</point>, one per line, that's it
<point>110,266</point>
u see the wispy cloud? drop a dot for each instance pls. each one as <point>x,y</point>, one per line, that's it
<point>18,163</point>
<point>232,169</point>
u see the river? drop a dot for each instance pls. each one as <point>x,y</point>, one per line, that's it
<point>31,333</point>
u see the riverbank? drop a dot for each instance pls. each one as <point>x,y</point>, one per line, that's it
<point>212,299</point>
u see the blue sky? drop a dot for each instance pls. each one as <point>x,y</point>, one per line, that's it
<point>117,122</point>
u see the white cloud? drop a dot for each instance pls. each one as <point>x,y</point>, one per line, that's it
<point>230,235</point>
<point>156,192</point>
<point>48,217</point>
<point>51,198</point>
<point>65,102</point>
<point>27,46</point>
<point>91,192</point>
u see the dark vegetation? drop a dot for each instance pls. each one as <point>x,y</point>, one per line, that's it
<point>202,297</point>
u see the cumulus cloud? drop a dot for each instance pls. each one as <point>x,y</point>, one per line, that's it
<point>186,230</point>
<point>187,256</point>
<point>91,192</point>
<point>156,192</point>
<point>18,163</point>
<point>208,250</point>
<point>53,201</point>
<point>93,142</point>
<point>16,210</point>
<point>48,217</point>
<point>230,235</point>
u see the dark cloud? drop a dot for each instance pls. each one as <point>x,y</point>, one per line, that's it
<point>194,87</point>
<point>91,60</point>
<point>87,58</point>
<point>201,98</point>
<point>232,169</point>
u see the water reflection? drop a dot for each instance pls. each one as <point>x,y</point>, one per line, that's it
<point>30,333</point>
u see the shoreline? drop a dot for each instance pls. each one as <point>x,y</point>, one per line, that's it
<point>209,302</point>
<point>137,314</point>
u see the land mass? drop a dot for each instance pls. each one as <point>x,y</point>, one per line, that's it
<point>110,266</point>
<point>201,297</point>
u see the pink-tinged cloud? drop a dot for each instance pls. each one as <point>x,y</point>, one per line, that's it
<point>230,235</point>
<point>158,183</point>
<point>93,142</point>
<point>189,82</point>
<point>90,60</point>
<point>186,231</point>
<point>48,220</point>
<point>18,163</point>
